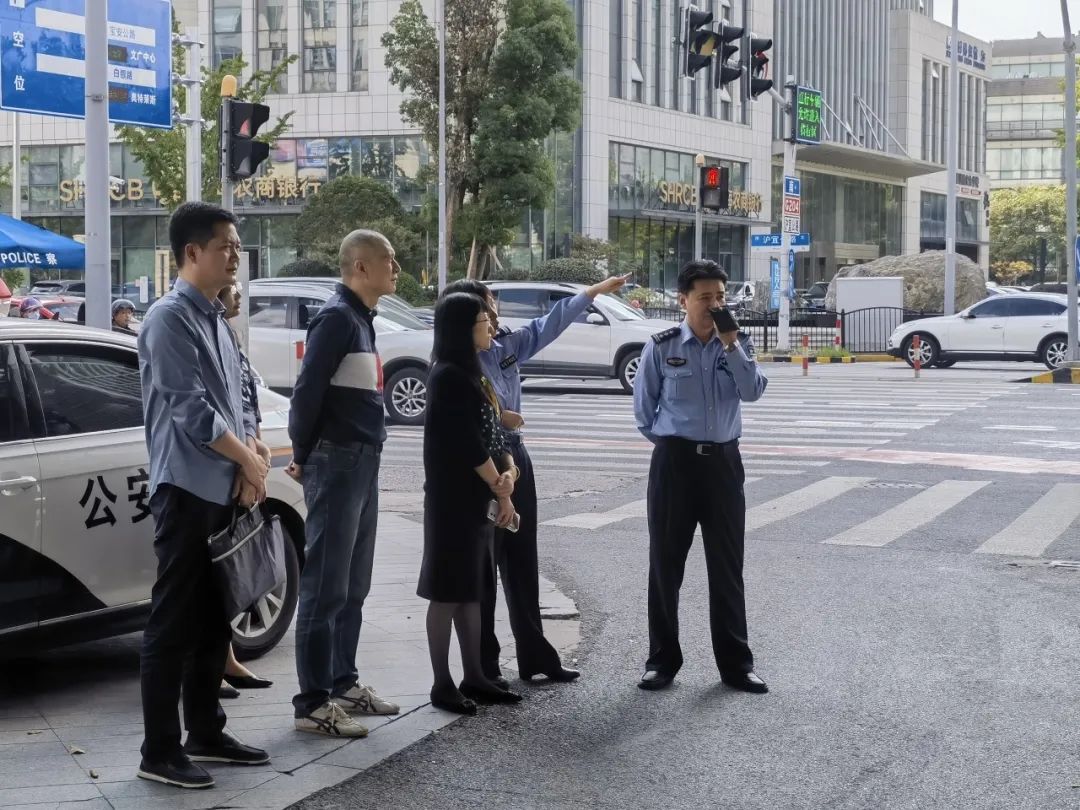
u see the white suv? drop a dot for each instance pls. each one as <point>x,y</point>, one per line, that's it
<point>605,341</point>
<point>76,533</point>
<point>278,318</point>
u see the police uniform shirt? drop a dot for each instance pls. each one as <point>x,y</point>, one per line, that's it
<point>694,391</point>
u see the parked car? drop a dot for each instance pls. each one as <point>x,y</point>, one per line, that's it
<point>1022,326</point>
<point>391,307</point>
<point>1056,287</point>
<point>60,287</point>
<point>815,294</point>
<point>55,307</point>
<point>76,532</point>
<point>279,315</point>
<point>605,341</point>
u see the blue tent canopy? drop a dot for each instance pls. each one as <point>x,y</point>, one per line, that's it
<point>26,245</point>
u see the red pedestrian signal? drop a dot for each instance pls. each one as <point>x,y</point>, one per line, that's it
<point>713,192</point>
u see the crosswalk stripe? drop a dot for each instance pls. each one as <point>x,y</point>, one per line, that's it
<point>801,500</point>
<point>911,514</point>
<point>596,520</point>
<point>1033,532</point>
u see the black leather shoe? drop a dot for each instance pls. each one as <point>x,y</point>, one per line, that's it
<point>228,749</point>
<point>653,680</point>
<point>501,682</point>
<point>489,696</point>
<point>560,675</point>
<point>453,701</point>
<point>746,682</point>
<point>247,682</point>
<point>226,692</point>
<point>177,770</point>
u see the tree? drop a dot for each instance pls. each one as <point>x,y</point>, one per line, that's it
<point>1011,272</point>
<point>308,268</point>
<point>348,203</point>
<point>162,152</point>
<point>510,85</point>
<point>1015,218</point>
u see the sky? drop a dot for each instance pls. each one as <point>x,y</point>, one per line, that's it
<point>1008,19</point>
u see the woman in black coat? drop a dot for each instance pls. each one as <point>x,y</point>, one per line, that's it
<point>463,444</point>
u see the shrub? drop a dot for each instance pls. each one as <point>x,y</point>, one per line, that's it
<point>576,271</point>
<point>307,268</point>
<point>411,290</point>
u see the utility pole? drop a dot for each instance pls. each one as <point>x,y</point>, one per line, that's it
<point>952,143</point>
<point>440,23</point>
<point>783,331</point>
<point>192,119</point>
<point>1073,354</point>
<point>16,167</point>
<point>98,201</point>
<point>699,164</point>
<point>228,93</point>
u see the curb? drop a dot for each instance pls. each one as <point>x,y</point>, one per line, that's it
<point>797,358</point>
<point>1066,376</point>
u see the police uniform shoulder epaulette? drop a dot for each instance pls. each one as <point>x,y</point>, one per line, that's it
<point>743,335</point>
<point>667,334</point>
<point>503,331</point>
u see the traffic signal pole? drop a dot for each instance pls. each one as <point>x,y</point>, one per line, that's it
<point>952,144</point>
<point>699,163</point>
<point>783,331</point>
<point>1073,354</point>
<point>98,201</point>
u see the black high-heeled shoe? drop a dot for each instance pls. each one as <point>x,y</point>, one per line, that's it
<point>228,692</point>
<point>489,696</point>
<point>247,682</point>
<point>453,702</point>
<point>560,675</point>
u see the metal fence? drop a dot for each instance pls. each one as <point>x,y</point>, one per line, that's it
<point>860,331</point>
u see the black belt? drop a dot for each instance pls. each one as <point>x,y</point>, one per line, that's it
<point>700,448</point>
<point>362,448</point>
<point>514,439</point>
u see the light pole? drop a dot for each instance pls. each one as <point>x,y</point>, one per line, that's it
<point>1070,177</point>
<point>440,32</point>
<point>699,164</point>
<point>952,143</point>
<point>98,202</point>
<point>1040,260</point>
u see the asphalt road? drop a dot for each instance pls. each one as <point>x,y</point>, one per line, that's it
<point>906,598</point>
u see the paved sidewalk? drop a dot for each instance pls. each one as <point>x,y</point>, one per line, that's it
<point>69,736</point>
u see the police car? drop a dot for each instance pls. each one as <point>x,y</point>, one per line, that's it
<point>76,534</point>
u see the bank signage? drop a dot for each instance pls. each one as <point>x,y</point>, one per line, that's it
<point>677,196</point>
<point>253,190</point>
<point>966,54</point>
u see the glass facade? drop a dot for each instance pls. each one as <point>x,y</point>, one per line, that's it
<point>932,212</point>
<point>1024,163</point>
<point>272,34</point>
<point>1025,68</point>
<point>320,46</point>
<point>225,40</point>
<point>358,36</point>
<point>659,247</point>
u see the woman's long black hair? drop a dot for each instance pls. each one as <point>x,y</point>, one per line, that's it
<point>455,316</point>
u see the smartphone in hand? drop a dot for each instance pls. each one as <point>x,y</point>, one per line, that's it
<point>493,515</point>
<point>724,320</point>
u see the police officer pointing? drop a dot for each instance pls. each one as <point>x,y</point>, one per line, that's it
<point>687,401</point>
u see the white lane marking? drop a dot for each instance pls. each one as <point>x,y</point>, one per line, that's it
<point>1039,526</point>
<point>1031,428</point>
<point>914,512</point>
<point>801,500</point>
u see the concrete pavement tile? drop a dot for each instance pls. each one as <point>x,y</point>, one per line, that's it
<point>81,804</point>
<point>288,789</point>
<point>54,773</point>
<point>40,794</point>
<point>119,742</point>
<point>19,737</point>
<point>16,711</point>
<point>41,745</point>
<point>170,798</point>
<point>385,743</point>
<point>96,731</point>
<point>226,778</point>
<point>16,762</point>
<point>112,773</point>
<point>28,723</point>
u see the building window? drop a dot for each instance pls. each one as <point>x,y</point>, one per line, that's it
<point>320,46</point>
<point>658,55</point>
<point>226,34</point>
<point>637,78</point>
<point>273,39</point>
<point>676,55</point>
<point>358,44</point>
<point>615,50</point>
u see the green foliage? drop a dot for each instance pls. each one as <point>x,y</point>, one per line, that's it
<point>347,203</point>
<point>576,271</point>
<point>594,250</point>
<point>162,152</point>
<point>1011,272</point>
<point>409,289</point>
<point>1015,217</point>
<point>831,351</point>
<point>507,272</point>
<point>645,297</point>
<point>14,278</point>
<point>309,268</point>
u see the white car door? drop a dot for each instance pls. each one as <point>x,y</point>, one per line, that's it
<point>517,306</point>
<point>585,345</point>
<point>97,527</point>
<point>1032,320</point>
<point>20,502</point>
<point>271,346</point>
<point>983,330</point>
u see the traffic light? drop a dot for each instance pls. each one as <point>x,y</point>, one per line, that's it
<point>757,64</point>
<point>241,121</point>
<point>699,41</point>
<point>713,192</point>
<point>724,73</point>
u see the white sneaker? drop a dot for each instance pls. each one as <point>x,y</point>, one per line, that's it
<point>363,700</point>
<point>331,720</point>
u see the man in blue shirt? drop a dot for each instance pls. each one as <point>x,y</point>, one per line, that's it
<point>516,554</point>
<point>204,455</point>
<point>688,392</point>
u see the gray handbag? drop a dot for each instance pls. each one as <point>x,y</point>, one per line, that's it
<point>247,558</point>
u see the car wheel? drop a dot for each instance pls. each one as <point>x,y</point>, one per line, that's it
<point>406,396</point>
<point>257,630</point>
<point>928,350</point>
<point>628,369</point>
<point>1054,351</point>
<point>944,364</point>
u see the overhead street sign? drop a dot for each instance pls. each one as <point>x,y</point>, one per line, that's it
<point>806,120</point>
<point>43,59</point>
<point>773,242</point>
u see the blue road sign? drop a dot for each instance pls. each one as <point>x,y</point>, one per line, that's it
<point>791,273</point>
<point>800,240</point>
<point>43,59</point>
<point>766,240</point>
<point>774,284</point>
<point>792,187</point>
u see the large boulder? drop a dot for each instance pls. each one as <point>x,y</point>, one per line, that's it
<point>924,280</point>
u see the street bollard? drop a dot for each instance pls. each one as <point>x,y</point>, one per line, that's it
<point>805,355</point>
<point>836,334</point>
<point>916,344</point>
<point>299,350</point>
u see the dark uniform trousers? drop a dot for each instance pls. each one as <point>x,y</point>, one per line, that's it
<point>687,488</point>
<point>516,558</point>
<point>187,635</point>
